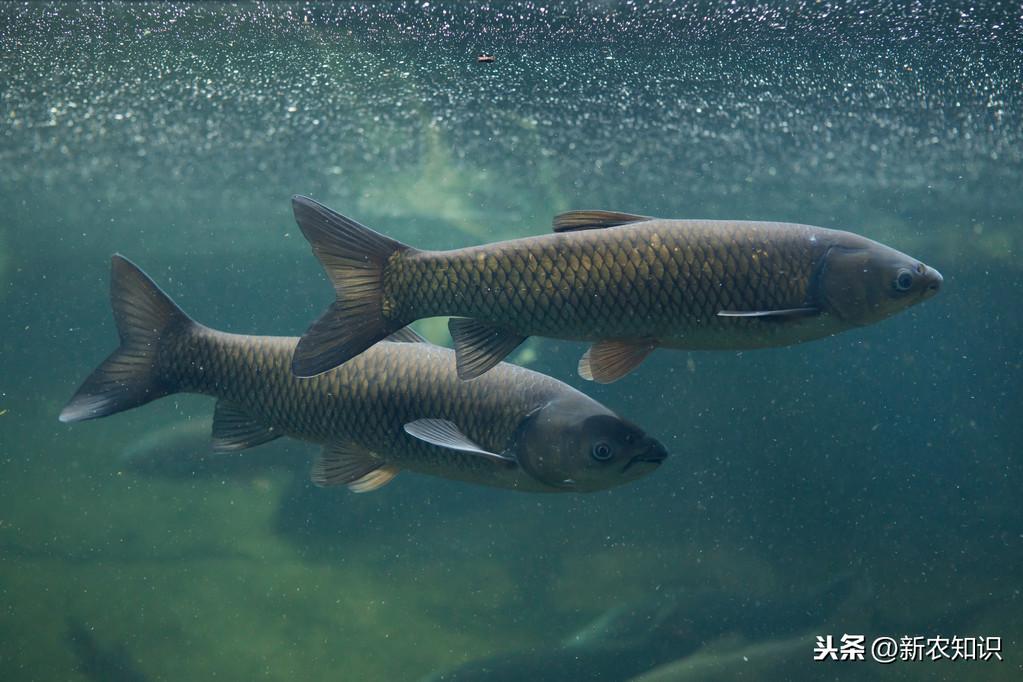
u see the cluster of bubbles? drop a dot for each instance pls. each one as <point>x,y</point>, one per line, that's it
<point>697,102</point>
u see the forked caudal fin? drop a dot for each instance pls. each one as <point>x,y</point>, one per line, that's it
<point>146,317</point>
<point>355,258</point>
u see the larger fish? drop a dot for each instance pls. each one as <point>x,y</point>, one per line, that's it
<point>399,406</point>
<point>629,283</point>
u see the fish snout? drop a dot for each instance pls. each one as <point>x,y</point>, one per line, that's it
<point>654,453</point>
<point>934,281</point>
<point>651,456</point>
<point>658,453</point>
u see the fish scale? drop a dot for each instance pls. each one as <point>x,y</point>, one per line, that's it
<point>628,283</point>
<point>367,401</point>
<point>593,283</point>
<point>399,406</point>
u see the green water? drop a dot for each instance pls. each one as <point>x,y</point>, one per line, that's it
<point>176,133</point>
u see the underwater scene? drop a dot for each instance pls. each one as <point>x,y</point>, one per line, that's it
<point>656,341</point>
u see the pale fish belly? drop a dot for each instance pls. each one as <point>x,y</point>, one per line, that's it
<point>750,333</point>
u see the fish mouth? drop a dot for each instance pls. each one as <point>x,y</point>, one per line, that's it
<point>935,281</point>
<point>654,455</point>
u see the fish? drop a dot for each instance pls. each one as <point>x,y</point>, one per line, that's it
<point>399,406</point>
<point>634,637</point>
<point>782,657</point>
<point>629,284</point>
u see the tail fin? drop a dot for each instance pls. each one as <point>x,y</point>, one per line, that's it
<point>354,257</point>
<point>145,318</point>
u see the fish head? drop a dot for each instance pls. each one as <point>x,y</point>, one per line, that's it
<point>575,443</point>
<point>861,281</point>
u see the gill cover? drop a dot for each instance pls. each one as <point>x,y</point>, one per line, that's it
<point>577,444</point>
<point>842,283</point>
<point>862,281</point>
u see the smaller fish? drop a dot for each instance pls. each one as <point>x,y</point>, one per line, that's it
<point>486,58</point>
<point>400,406</point>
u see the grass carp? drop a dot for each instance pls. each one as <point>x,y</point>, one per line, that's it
<point>627,283</point>
<point>398,406</point>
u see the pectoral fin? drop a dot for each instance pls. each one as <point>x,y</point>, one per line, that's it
<point>573,221</point>
<point>610,360</point>
<point>478,346</point>
<point>351,465</point>
<point>235,429</point>
<point>784,314</point>
<point>445,434</point>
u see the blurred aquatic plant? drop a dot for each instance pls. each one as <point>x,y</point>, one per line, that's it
<point>1001,244</point>
<point>446,189</point>
<point>436,188</point>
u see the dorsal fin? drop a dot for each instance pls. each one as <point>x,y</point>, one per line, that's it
<point>572,221</point>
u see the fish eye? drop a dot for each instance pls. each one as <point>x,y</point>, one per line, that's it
<point>904,281</point>
<point>601,451</point>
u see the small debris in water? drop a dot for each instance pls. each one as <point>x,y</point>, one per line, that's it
<point>485,58</point>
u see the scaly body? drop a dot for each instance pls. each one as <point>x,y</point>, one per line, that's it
<point>628,283</point>
<point>368,402</point>
<point>399,406</point>
<point>665,280</point>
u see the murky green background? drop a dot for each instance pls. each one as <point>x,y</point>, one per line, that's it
<point>889,457</point>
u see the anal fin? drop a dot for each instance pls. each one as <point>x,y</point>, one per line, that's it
<point>610,360</point>
<point>235,429</point>
<point>352,465</point>
<point>478,346</point>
